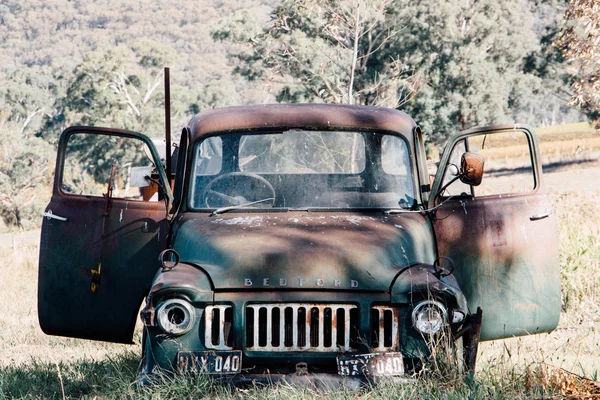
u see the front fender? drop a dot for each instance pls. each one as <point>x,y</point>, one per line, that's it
<point>186,279</point>
<point>422,280</point>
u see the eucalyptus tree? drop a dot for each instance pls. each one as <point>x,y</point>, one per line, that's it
<point>327,51</point>
<point>580,43</point>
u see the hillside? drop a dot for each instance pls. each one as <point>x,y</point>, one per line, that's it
<point>53,36</point>
<point>75,62</point>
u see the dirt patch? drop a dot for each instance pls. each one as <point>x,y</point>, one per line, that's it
<point>582,177</point>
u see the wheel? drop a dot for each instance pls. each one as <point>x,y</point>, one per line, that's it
<point>235,190</point>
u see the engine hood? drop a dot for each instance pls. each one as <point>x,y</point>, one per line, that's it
<point>299,251</point>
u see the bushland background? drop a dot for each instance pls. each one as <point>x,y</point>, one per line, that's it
<point>450,65</point>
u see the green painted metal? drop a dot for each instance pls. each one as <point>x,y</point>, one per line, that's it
<point>295,250</point>
<point>506,258</point>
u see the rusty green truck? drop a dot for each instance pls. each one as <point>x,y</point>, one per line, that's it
<point>298,239</point>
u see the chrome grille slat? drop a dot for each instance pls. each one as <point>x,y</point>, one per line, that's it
<point>281,326</point>
<point>307,326</point>
<point>346,330</point>
<point>292,322</point>
<point>269,325</point>
<point>321,337</point>
<point>294,326</point>
<point>256,327</point>
<point>334,323</point>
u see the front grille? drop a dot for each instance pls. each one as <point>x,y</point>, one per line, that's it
<point>301,326</point>
<point>218,321</point>
<point>384,325</point>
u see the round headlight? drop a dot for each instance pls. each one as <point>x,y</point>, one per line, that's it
<point>176,316</point>
<point>429,317</point>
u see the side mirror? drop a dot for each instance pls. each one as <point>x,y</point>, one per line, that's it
<point>471,168</point>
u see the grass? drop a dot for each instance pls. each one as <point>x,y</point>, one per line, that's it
<point>33,365</point>
<point>562,364</point>
<point>567,130</point>
<point>112,378</point>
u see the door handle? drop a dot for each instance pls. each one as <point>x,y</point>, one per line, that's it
<point>48,214</point>
<point>543,215</point>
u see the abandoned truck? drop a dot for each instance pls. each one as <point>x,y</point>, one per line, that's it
<point>293,239</point>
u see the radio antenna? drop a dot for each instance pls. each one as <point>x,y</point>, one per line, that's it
<point>168,124</point>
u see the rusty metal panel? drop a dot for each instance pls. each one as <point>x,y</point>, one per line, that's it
<point>506,263</point>
<point>124,237</point>
<point>69,251</point>
<point>306,116</point>
<point>304,250</point>
<point>505,249</point>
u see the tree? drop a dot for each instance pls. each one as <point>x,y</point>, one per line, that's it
<point>471,54</point>
<point>452,64</point>
<point>580,43</point>
<point>324,50</point>
<point>121,87</point>
<point>25,160</point>
<point>541,97</point>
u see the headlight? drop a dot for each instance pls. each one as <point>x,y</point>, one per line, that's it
<point>176,316</point>
<point>429,317</point>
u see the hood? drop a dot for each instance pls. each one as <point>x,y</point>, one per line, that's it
<point>298,251</point>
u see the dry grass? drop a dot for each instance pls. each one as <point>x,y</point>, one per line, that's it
<point>21,339</point>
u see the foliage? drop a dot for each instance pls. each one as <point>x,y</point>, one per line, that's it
<point>450,66</point>
<point>542,97</point>
<point>334,51</point>
<point>25,173</point>
<point>580,43</point>
<point>65,63</point>
<point>579,254</point>
<point>112,379</point>
<point>25,160</point>
<point>116,88</point>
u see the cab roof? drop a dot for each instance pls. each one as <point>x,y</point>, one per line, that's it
<point>277,117</point>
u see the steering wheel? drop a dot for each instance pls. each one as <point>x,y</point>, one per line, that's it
<point>231,199</point>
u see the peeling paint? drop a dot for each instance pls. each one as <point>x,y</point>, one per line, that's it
<point>353,220</point>
<point>239,221</point>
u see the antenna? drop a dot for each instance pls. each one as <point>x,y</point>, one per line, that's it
<point>168,124</point>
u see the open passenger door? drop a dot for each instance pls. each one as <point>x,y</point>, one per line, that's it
<point>501,235</point>
<point>100,238</point>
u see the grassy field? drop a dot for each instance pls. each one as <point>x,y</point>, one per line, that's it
<point>562,364</point>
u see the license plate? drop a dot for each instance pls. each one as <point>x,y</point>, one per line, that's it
<point>210,362</point>
<point>372,364</point>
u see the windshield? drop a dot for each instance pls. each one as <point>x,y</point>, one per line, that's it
<point>299,169</point>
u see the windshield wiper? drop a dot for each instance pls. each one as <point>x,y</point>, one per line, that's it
<point>225,209</point>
